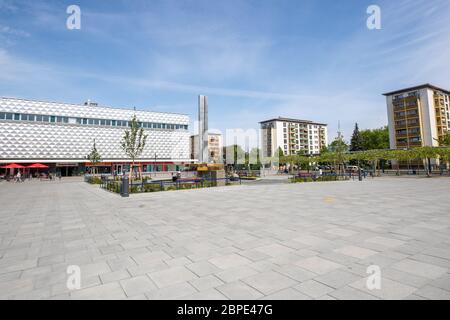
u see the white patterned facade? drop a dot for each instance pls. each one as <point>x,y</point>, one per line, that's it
<point>66,132</point>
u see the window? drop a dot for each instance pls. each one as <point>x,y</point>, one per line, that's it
<point>96,122</point>
<point>66,119</point>
<point>59,119</point>
<point>31,117</point>
<point>108,122</point>
<point>24,117</point>
<point>52,119</point>
<point>113,123</point>
<point>91,121</point>
<point>2,115</point>
<point>16,116</point>
<point>45,118</point>
<point>39,118</point>
<point>102,122</point>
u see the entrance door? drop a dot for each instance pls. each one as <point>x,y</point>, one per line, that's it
<point>119,169</point>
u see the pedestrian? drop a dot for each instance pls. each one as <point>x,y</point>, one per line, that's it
<point>18,176</point>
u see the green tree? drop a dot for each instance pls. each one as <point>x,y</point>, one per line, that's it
<point>338,149</point>
<point>356,142</point>
<point>444,141</point>
<point>234,155</point>
<point>375,139</point>
<point>133,141</point>
<point>254,158</point>
<point>94,157</point>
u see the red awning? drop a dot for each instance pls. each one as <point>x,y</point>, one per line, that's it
<point>37,165</point>
<point>13,166</point>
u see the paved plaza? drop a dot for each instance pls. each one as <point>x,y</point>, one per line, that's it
<point>266,241</point>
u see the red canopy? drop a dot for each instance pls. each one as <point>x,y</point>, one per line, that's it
<point>37,165</point>
<point>13,166</point>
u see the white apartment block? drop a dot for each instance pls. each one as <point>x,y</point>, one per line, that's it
<point>293,136</point>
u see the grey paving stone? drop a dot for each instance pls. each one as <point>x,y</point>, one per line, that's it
<point>176,291</point>
<point>337,279</point>
<point>356,252</point>
<point>172,276</point>
<point>274,250</point>
<point>313,289</point>
<point>233,274</point>
<point>206,282</point>
<point>180,261</point>
<point>318,265</point>
<point>420,269</point>
<point>433,293</point>
<point>137,285</point>
<point>115,276</point>
<point>152,233</point>
<point>404,277</point>
<point>269,282</point>
<point>390,290</point>
<point>93,269</point>
<point>294,272</point>
<point>349,293</point>
<point>229,261</point>
<point>110,291</point>
<point>384,241</point>
<point>341,232</point>
<point>210,294</point>
<point>202,268</point>
<point>287,294</point>
<point>442,282</point>
<point>239,291</point>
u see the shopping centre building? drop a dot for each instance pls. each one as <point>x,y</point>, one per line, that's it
<point>61,135</point>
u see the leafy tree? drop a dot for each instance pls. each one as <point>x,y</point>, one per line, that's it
<point>253,159</point>
<point>133,141</point>
<point>94,157</point>
<point>375,139</point>
<point>444,141</point>
<point>356,142</point>
<point>338,145</point>
<point>234,155</point>
<point>338,149</point>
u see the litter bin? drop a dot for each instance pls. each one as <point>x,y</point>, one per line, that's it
<point>125,187</point>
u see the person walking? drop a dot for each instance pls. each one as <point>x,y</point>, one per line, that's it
<point>18,177</point>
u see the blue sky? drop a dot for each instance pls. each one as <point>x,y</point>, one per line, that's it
<point>255,59</point>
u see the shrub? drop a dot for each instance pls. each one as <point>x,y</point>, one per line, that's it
<point>152,188</point>
<point>94,180</point>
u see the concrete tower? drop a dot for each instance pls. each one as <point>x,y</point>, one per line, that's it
<point>203,129</point>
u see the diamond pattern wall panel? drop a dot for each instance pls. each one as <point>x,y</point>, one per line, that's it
<point>21,140</point>
<point>82,111</point>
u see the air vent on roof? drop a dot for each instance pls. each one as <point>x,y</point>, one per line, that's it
<point>89,103</point>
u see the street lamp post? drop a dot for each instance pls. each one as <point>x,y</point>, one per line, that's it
<point>154,166</point>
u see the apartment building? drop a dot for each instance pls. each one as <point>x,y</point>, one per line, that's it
<point>418,116</point>
<point>293,136</point>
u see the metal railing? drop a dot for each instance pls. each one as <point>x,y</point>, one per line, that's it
<point>142,186</point>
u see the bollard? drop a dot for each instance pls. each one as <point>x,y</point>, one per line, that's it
<point>125,187</point>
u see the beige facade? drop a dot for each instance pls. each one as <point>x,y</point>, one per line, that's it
<point>418,116</point>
